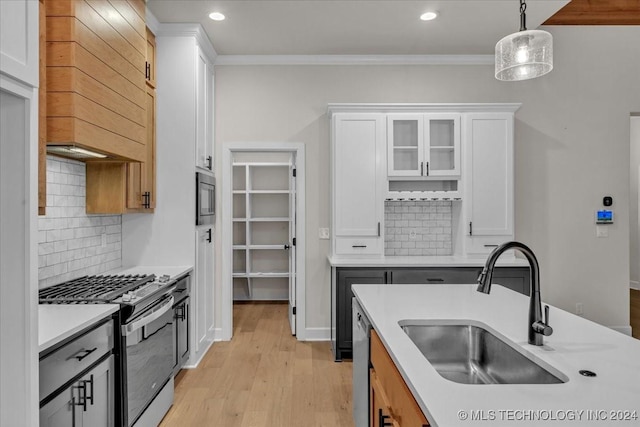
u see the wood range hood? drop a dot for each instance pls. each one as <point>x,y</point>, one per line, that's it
<point>95,96</point>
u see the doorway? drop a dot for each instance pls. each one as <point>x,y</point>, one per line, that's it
<point>263,229</point>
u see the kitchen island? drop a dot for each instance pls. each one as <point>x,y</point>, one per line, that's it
<point>610,398</point>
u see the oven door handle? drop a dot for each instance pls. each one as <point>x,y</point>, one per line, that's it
<point>155,314</point>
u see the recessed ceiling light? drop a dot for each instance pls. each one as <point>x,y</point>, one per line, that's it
<point>217,16</point>
<point>428,16</point>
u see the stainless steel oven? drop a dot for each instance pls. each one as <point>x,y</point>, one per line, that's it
<point>205,199</point>
<point>148,342</point>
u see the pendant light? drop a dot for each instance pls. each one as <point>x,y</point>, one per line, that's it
<point>524,55</point>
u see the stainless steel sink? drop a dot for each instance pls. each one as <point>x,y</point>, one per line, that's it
<point>470,354</point>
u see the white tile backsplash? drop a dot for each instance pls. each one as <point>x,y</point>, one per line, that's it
<point>69,240</point>
<point>417,228</point>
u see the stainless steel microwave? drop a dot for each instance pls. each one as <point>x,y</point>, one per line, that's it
<point>205,199</point>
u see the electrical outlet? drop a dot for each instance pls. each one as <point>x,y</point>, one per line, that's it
<point>579,309</point>
<point>413,235</point>
<point>323,233</point>
<point>104,240</point>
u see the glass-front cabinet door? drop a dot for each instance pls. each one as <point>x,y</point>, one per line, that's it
<point>442,144</point>
<point>405,136</point>
<point>423,145</point>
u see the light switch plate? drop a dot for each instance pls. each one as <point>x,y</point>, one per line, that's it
<point>323,233</point>
<point>602,231</point>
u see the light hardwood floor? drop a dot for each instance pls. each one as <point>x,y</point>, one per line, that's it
<point>264,377</point>
<point>635,313</point>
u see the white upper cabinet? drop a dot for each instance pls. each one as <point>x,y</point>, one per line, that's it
<point>423,145</point>
<point>358,182</point>
<point>204,111</point>
<point>488,180</point>
<point>19,40</point>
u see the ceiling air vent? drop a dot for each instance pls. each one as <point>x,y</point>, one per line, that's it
<point>73,152</point>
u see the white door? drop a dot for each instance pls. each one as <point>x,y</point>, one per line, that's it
<point>292,249</point>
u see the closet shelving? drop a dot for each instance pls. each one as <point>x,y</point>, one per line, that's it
<point>261,227</point>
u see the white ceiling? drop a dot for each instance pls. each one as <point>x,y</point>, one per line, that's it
<point>355,27</point>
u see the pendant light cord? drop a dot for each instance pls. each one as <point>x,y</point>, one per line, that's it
<point>523,16</point>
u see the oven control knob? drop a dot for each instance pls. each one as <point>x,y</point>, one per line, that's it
<point>164,278</point>
<point>126,297</point>
<point>133,296</point>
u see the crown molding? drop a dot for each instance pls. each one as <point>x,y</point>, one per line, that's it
<point>189,30</point>
<point>355,60</point>
<point>421,107</point>
<point>152,22</point>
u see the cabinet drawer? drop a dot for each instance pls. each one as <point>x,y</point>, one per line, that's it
<point>358,246</point>
<point>485,244</point>
<point>404,408</point>
<point>435,276</point>
<point>71,359</point>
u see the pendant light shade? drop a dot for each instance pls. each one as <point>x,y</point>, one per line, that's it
<point>524,55</point>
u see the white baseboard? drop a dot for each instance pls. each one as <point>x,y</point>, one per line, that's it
<point>217,334</point>
<point>195,359</point>
<point>634,285</point>
<point>318,334</point>
<point>622,329</point>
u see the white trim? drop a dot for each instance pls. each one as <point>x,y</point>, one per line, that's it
<point>622,329</point>
<point>152,22</point>
<point>226,327</point>
<point>420,108</point>
<point>189,30</point>
<point>200,355</point>
<point>23,306</point>
<point>634,285</point>
<point>318,334</point>
<point>355,60</point>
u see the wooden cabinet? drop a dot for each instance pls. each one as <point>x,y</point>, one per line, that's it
<point>391,401</point>
<point>150,63</point>
<point>341,308</point>
<point>488,181</point>
<point>358,183</point>
<point>423,145</point>
<point>95,76</point>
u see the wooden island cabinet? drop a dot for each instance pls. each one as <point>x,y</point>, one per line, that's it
<point>390,400</point>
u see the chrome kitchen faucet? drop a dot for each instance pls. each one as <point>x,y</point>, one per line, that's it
<point>537,328</point>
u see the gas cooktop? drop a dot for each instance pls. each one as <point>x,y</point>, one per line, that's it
<point>119,288</point>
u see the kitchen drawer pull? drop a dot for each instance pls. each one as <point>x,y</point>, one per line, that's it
<point>358,246</point>
<point>491,246</point>
<point>82,356</point>
<point>435,279</point>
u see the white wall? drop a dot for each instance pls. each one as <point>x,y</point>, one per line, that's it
<point>634,220</point>
<point>572,148</point>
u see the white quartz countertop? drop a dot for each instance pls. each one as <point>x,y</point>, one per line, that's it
<point>576,344</point>
<point>57,322</point>
<point>173,271</point>
<point>422,261</point>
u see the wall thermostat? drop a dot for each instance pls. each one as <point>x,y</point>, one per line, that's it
<point>604,217</point>
<point>607,200</point>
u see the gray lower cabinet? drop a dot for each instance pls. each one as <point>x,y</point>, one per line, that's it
<point>87,402</point>
<point>341,321</point>
<point>514,278</point>
<point>181,331</point>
